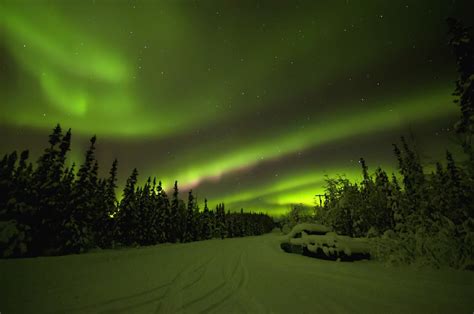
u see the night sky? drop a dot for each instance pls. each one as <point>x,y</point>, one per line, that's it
<point>247,102</point>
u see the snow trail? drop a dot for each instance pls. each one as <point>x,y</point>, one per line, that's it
<point>242,275</point>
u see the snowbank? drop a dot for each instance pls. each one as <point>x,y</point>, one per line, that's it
<point>316,240</point>
<point>309,228</point>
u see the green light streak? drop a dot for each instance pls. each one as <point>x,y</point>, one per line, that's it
<point>389,114</point>
<point>53,43</point>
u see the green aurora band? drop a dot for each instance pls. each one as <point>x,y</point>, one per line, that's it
<point>250,103</point>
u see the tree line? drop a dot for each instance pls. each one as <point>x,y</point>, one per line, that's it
<point>52,209</point>
<point>417,216</point>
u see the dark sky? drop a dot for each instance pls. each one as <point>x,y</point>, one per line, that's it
<point>247,102</point>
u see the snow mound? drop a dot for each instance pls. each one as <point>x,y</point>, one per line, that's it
<point>309,228</point>
<point>318,241</point>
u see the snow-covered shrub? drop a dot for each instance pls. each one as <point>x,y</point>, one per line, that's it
<point>14,239</point>
<point>436,243</point>
<point>76,236</point>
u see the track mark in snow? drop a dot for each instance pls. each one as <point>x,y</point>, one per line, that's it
<point>229,294</point>
<point>119,304</point>
<point>228,286</point>
<point>172,299</point>
<point>138,300</point>
<point>201,270</point>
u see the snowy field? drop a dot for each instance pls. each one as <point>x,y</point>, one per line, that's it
<point>242,275</point>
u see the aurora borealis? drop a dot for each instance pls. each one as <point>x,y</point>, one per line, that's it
<point>247,102</point>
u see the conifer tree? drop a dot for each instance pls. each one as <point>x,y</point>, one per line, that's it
<point>439,201</point>
<point>190,219</point>
<point>456,192</point>
<point>154,214</point>
<point>46,224</point>
<point>127,217</point>
<point>197,221</point>
<point>21,209</point>
<point>220,221</point>
<point>182,219</point>
<point>462,44</point>
<point>107,207</point>
<point>206,232</point>
<point>174,219</point>
<point>147,215</point>
<point>16,212</point>
<point>384,219</point>
<point>229,225</point>
<point>7,169</point>
<point>78,234</point>
<point>413,178</point>
<point>58,163</point>
<point>110,198</point>
<point>164,221</point>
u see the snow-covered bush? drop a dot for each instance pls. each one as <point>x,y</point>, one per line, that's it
<point>435,243</point>
<point>76,237</point>
<point>14,239</point>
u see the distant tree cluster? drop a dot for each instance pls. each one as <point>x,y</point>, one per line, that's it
<point>53,209</point>
<point>427,217</point>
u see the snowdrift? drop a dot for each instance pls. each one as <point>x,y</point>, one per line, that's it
<point>319,241</point>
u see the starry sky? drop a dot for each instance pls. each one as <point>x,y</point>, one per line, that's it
<point>251,103</point>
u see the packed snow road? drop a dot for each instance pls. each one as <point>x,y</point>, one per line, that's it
<point>246,275</point>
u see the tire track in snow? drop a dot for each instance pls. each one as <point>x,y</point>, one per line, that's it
<point>137,300</point>
<point>213,291</point>
<point>116,301</point>
<point>160,299</point>
<point>201,270</point>
<point>229,293</point>
<point>228,286</point>
<point>172,299</point>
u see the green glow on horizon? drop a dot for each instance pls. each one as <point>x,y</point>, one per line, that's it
<point>295,188</point>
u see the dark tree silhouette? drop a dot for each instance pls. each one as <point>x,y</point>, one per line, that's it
<point>463,47</point>
<point>127,218</point>
<point>52,210</point>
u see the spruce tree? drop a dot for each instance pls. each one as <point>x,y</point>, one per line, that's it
<point>127,218</point>
<point>7,174</point>
<point>190,219</point>
<point>111,200</point>
<point>22,210</point>
<point>78,234</point>
<point>107,206</point>
<point>462,44</point>
<point>147,215</point>
<point>174,219</point>
<point>47,223</point>
<point>206,232</point>
<point>164,221</point>
<point>182,220</point>
<point>220,221</point>
<point>413,179</point>
<point>154,213</point>
<point>197,221</point>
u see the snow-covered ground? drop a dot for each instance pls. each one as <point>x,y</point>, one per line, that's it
<point>246,275</point>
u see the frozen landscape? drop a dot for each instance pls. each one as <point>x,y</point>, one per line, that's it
<point>240,275</point>
<point>199,127</point>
